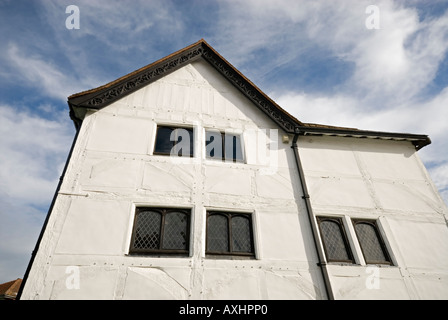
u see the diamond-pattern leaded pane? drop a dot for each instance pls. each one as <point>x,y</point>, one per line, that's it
<point>241,235</point>
<point>175,231</point>
<point>334,241</point>
<point>370,244</point>
<point>147,233</point>
<point>217,233</point>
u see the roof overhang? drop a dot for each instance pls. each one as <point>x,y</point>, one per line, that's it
<point>102,96</point>
<point>418,140</point>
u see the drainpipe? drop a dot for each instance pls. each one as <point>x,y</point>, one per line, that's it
<point>322,262</point>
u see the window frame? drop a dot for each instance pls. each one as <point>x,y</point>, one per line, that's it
<point>383,246</point>
<point>163,212</point>
<point>223,146</point>
<point>173,143</point>
<point>229,216</point>
<point>340,223</point>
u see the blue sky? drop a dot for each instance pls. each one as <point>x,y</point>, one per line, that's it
<point>317,59</point>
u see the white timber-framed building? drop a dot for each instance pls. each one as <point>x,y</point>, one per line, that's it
<point>186,181</point>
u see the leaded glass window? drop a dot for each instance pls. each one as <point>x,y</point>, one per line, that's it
<point>241,234</point>
<point>229,233</point>
<point>371,243</point>
<point>160,230</point>
<point>334,240</point>
<point>218,233</point>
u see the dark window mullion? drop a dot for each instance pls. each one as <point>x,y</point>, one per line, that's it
<point>229,232</point>
<point>162,228</point>
<point>223,148</point>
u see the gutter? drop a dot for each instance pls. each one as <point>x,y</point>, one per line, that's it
<point>322,263</point>
<point>44,227</point>
<point>418,140</point>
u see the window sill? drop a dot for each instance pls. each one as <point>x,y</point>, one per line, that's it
<point>347,264</point>
<point>158,255</point>
<point>229,257</point>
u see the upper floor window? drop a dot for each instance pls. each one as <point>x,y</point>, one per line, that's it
<point>160,230</point>
<point>223,146</point>
<point>371,242</point>
<point>229,234</point>
<point>174,141</point>
<point>334,240</point>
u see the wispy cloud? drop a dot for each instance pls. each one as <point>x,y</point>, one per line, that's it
<point>32,154</point>
<point>390,64</point>
<point>34,71</point>
<point>134,31</point>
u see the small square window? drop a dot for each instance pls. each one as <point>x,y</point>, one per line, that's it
<point>223,146</point>
<point>174,141</point>
<point>229,234</point>
<point>371,242</point>
<point>334,239</point>
<point>160,230</point>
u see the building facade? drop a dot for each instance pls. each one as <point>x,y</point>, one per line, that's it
<point>185,181</point>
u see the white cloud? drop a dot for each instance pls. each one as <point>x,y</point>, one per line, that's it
<point>32,153</point>
<point>439,175</point>
<point>110,22</point>
<point>391,64</point>
<point>399,60</point>
<point>36,72</point>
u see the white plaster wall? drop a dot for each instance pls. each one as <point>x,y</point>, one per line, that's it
<point>113,170</point>
<point>384,180</point>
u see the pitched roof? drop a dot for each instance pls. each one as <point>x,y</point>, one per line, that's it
<point>8,290</point>
<point>102,96</point>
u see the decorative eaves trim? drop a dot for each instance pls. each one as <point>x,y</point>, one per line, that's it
<point>262,101</point>
<point>103,96</point>
<point>107,96</point>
